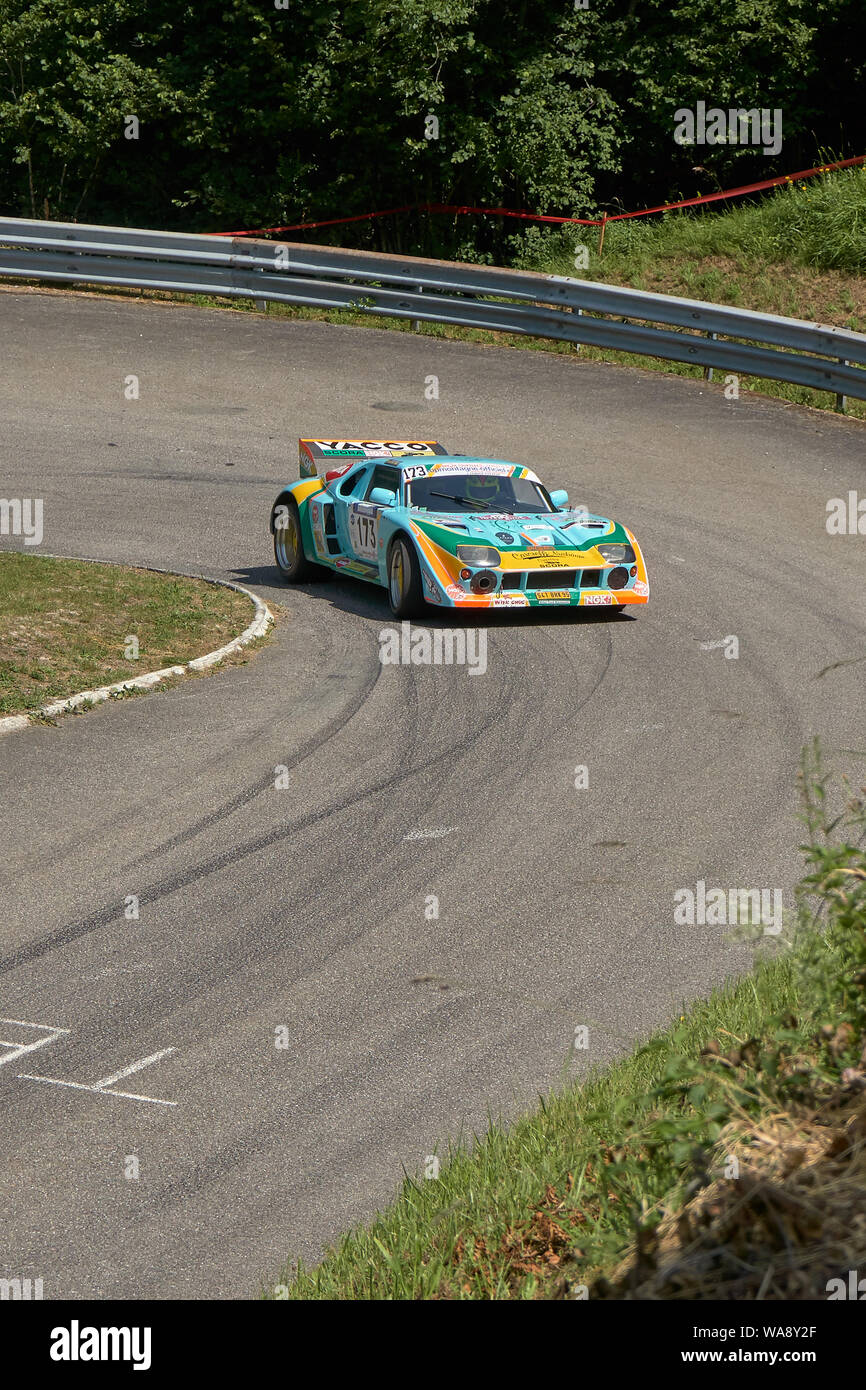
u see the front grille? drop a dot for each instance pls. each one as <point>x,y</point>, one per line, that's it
<point>590,579</point>
<point>551,579</point>
<point>511,579</point>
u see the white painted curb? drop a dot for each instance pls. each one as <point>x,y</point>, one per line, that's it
<point>257,628</point>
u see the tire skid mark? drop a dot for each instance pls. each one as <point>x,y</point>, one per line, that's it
<point>109,914</point>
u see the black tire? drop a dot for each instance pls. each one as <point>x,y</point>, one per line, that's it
<point>404,579</point>
<point>288,545</point>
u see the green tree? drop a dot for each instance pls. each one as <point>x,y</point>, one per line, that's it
<point>68,88</point>
<point>252,115</point>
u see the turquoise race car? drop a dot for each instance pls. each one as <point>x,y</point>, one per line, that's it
<point>447,530</point>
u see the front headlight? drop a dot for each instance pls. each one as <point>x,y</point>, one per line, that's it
<point>479,556</point>
<point>616,554</point>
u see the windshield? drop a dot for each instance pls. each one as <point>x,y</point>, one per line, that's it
<point>478,492</point>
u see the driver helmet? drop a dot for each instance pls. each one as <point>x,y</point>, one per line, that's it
<point>482,487</point>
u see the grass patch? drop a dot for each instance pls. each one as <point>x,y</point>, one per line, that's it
<point>65,625</point>
<point>578,1198</point>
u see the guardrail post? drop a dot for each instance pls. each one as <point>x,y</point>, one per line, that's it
<point>241,248</point>
<point>842,401</point>
<point>416,323</point>
<point>259,302</point>
<point>708,371</point>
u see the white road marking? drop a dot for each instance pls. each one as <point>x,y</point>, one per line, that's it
<point>19,1049</point>
<point>101,1088</point>
<point>95,1090</point>
<point>136,1066</point>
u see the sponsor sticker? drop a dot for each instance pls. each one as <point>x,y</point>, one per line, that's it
<point>570,558</point>
<point>447,469</point>
<point>509,601</point>
<point>373,448</point>
<point>641,587</point>
<point>598,598</point>
<point>318,530</point>
<point>363,530</point>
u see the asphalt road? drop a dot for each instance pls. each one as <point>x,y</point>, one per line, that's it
<point>306,909</point>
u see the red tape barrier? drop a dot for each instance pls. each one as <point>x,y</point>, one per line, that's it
<point>545,217</point>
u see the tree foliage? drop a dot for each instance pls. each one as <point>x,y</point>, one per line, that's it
<point>259,112</point>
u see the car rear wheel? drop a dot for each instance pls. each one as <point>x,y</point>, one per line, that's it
<point>404,579</point>
<point>288,545</point>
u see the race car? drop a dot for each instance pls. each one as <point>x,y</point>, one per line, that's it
<point>448,530</point>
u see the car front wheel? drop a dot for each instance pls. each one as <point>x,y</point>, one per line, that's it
<point>404,579</point>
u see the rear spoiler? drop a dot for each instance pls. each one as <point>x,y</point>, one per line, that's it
<point>318,456</point>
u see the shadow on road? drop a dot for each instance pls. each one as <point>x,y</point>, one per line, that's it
<point>369,601</point>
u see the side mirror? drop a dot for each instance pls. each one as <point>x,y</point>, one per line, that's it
<point>559,498</point>
<point>382,497</point>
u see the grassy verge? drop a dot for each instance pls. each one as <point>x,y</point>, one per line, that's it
<point>675,1172</point>
<point>800,252</point>
<point>66,625</point>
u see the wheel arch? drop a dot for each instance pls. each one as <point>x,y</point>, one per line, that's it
<point>401,532</point>
<point>280,501</point>
<point>300,493</point>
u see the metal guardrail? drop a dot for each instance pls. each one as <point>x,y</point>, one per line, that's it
<point>737,341</point>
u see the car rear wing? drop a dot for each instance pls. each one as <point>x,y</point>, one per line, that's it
<point>318,456</point>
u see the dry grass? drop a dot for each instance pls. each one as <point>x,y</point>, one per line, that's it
<point>790,1222</point>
